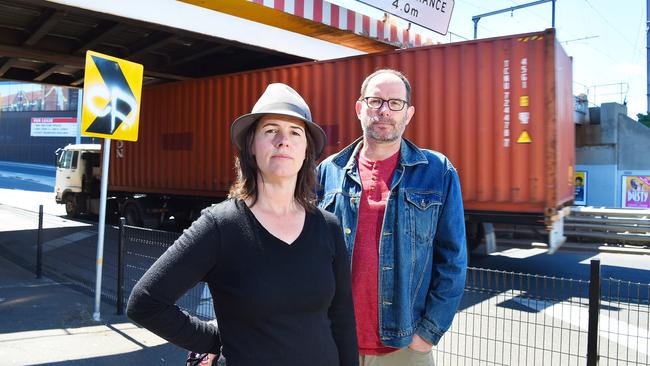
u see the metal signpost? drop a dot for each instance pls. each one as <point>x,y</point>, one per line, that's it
<point>111,109</point>
<point>77,140</point>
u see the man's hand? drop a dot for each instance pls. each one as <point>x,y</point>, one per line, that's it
<point>419,344</point>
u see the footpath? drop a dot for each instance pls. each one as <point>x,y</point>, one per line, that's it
<point>45,322</point>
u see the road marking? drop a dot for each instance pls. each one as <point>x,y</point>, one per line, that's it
<point>520,253</point>
<point>68,239</point>
<point>19,286</point>
<point>615,330</point>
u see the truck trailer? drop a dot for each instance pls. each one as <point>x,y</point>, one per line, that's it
<point>500,108</point>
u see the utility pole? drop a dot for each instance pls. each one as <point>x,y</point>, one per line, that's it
<point>476,18</point>
<point>647,53</point>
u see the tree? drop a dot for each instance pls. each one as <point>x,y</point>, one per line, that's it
<point>644,119</point>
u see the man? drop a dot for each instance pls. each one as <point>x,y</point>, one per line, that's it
<point>402,215</point>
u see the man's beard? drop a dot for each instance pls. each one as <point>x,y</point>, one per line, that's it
<point>382,137</point>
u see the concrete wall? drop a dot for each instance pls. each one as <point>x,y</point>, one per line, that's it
<point>633,144</point>
<point>602,130</point>
<point>601,185</point>
<point>600,161</point>
<point>596,155</point>
<point>610,114</point>
<point>608,148</point>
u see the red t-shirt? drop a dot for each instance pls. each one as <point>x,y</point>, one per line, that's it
<point>375,180</point>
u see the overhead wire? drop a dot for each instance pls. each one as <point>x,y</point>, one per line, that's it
<point>596,23</point>
<point>482,10</point>
<point>608,23</point>
<point>637,50</point>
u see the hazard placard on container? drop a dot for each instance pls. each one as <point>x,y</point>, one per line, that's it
<point>524,138</point>
<point>111,97</point>
<point>523,101</point>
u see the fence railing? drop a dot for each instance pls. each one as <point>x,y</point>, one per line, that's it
<point>624,323</point>
<point>141,248</point>
<point>508,318</point>
<point>505,318</point>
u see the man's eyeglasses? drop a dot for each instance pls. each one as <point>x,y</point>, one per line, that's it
<point>393,104</point>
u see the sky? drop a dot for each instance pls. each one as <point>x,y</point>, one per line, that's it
<point>607,40</point>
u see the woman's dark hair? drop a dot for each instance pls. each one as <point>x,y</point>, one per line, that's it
<point>245,186</point>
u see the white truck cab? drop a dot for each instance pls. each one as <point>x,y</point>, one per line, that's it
<point>77,177</point>
<point>78,182</point>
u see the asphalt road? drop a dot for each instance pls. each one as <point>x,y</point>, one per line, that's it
<point>27,177</point>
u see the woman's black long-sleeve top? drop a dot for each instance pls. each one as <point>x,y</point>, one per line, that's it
<point>276,304</point>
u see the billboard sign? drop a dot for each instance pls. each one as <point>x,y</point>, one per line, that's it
<point>580,188</point>
<point>53,127</point>
<point>635,191</point>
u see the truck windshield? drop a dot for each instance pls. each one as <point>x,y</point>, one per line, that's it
<point>68,160</point>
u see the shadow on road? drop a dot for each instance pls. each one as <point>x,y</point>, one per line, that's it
<point>158,355</point>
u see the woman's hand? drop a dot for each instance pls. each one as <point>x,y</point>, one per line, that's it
<point>420,345</point>
<point>207,360</point>
<point>193,359</point>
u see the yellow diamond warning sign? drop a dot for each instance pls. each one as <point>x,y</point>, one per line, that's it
<point>524,138</point>
<point>111,97</point>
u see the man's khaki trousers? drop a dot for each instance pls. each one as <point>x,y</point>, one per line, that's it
<point>403,357</point>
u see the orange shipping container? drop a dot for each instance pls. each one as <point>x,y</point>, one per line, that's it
<point>500,109</point>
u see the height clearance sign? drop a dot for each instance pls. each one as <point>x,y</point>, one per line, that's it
<point>430,14</point>
<point>111,97</point>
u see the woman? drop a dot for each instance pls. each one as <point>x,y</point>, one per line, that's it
<point>276,265</point>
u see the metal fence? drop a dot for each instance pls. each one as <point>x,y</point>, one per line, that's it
<point>510,318</point>
<point>140,248</point>
<point>624,323</point>
<point>62,253</point>
<point>505,318</point>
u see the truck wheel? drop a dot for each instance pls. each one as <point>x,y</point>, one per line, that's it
<point>71,206</point>
<point>132,215</point>
<point>182,219</point>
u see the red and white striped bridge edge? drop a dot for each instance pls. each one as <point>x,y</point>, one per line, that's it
<point>348,20</point>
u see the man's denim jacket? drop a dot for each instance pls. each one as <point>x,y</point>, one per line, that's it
<point>422,250</point>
